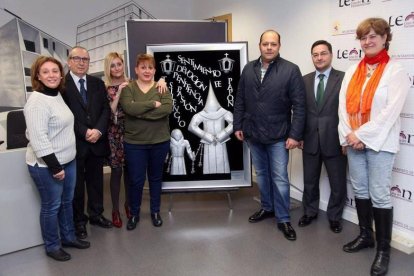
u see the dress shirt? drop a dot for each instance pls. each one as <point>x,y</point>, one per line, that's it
<point>76,80</point>
<point>325,79</point>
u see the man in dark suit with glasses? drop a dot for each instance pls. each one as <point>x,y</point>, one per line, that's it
<point>86,97</point>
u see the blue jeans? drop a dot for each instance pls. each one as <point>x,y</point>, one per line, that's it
<point>370,173</point>
<point>56,213</point>
<point>143,160</point>
<point>270,162</point>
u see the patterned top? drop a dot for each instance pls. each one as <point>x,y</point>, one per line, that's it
<point>116,129</point>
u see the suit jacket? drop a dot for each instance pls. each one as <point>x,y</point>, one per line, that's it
<point>321,129</point>
<point>93,115</point>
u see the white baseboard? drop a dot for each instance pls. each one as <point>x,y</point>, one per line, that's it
<point>402,242</point>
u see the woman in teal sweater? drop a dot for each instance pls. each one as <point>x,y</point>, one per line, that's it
<point>147,135</point>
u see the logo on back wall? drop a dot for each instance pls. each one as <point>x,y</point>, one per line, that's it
<point>403,225</point>
<point>351,55</point>
<point>403,171</point>
<point>402,194</point>
<point>409,20</point>
<point>353,3</point>
<point>403,56</point>
<point>406,138</point>
<point>337,29</point>
<point>406,21</point>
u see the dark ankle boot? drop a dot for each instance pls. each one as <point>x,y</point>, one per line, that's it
<point>383,231</point>
<point>365,238</point>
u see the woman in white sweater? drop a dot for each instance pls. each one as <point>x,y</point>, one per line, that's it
<point>50,156</point>
<point>372,96</point>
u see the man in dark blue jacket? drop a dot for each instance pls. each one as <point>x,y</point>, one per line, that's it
<point>270,115</point>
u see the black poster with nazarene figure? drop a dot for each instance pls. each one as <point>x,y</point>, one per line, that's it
<point>203,81</point>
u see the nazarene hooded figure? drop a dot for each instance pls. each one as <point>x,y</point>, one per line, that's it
<point>214,134</point>
<point>178,147</point>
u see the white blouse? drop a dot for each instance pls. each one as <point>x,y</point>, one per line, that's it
<point>381,133</point>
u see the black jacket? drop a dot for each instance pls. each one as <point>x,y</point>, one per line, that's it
<point>274,109</point>
<point>93,115</point>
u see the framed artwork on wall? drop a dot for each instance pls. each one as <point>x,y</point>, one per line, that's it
<point>203,79</point>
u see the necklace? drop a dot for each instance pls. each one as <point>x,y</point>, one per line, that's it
<point>371,69</point>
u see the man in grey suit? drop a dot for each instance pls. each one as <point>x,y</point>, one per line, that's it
<point>321,142</point>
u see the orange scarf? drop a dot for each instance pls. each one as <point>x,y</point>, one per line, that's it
<point>359,112</point>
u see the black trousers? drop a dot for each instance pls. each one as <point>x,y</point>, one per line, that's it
<point>89,175</point>
<point>336,169</point>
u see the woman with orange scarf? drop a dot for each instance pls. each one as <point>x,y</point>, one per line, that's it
<point>372,96</point>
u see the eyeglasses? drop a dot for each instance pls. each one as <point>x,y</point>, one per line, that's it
<point>79,59</point>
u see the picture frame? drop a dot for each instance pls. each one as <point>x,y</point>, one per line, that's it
<point>209,156</point>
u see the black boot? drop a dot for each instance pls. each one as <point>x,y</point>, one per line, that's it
<point>383,231</point>
<point>365,238</point>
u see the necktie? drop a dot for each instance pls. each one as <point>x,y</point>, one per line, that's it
<point>320,90</point>
<point>82,90</point>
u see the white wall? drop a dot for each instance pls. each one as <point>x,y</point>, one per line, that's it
<point>299,23</point>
